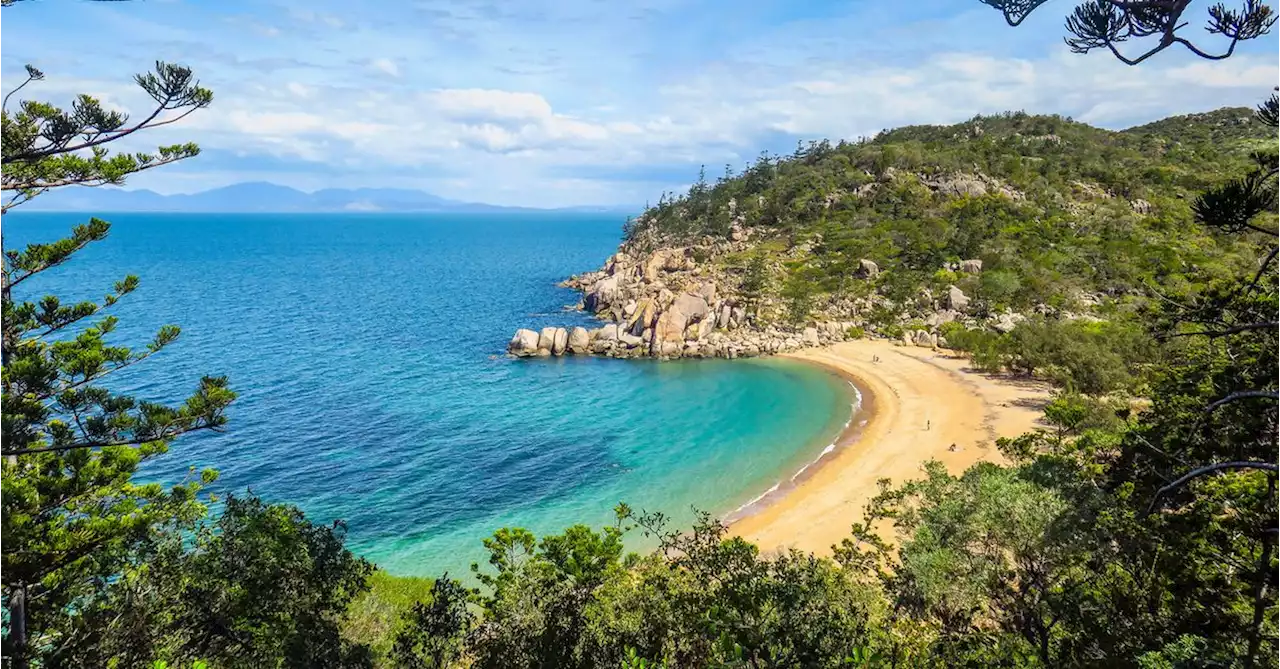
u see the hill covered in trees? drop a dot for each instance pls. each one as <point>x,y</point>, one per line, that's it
<point>937,235</point>
<point>1058,212</point>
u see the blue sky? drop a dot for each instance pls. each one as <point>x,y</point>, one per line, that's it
<point>564,102</point>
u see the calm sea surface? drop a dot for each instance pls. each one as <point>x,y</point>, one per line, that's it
<point>368,354</point>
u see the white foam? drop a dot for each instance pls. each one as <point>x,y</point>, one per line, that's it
<point>759,497</point>
<point>855,407</point>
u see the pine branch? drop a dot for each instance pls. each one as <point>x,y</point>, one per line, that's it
<point>1244,394</point>
<point>1213,334</point>
<point>90,379</point>
<point>106,444</point>
<point>1210,469</point>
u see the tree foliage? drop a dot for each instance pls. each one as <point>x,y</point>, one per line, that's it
<point>1123,535</point>
<point>74,518</point>
<point>260,586</point>
<point>1109,24</point>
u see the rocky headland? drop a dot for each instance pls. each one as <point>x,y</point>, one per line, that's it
<point>688,302</point>
<point>910,236</point>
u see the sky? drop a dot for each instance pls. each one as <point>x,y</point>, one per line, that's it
<point>552,103</point>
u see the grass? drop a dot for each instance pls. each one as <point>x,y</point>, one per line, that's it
<point>374,616</point>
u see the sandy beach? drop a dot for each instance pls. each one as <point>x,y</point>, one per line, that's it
<point>918,403</point>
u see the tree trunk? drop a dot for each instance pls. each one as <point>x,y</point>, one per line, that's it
<point>18,626</point>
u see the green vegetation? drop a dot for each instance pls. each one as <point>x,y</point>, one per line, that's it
<point>1090,357</point>
<point>1056,210</point>
<point>1126,534</point>
<point>375,616</point>
<point>100,570</point>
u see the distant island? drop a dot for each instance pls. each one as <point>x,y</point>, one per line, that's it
<point>263,197</point>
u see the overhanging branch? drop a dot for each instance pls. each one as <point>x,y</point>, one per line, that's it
<point>1244,394</point>
<point>1204,471</point>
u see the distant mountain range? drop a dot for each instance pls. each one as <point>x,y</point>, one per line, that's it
<point>268,197</point>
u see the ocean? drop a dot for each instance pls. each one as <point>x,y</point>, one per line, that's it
<point>368,354</point>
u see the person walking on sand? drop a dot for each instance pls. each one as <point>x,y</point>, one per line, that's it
<point>927,423</point>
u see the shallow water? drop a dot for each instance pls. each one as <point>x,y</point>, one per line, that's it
<point>367,352</point>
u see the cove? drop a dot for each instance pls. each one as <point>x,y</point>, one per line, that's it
<point>367,352</point>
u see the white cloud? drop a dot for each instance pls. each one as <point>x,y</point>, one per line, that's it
<point>529,146</point>
<point>308,16</point>
<point>1250,73</point>
<point>386,66</point>
<point>300,90</point>
<point>466,104</point>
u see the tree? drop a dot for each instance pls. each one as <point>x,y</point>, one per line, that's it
<point>1205,459</point>
<point>797,292</point>
<point>260,586</point>
<point>73,517</point>
<point>755,279</point>
<point>434,631</point>
<point>1107,24</point>
<point>987,548</point>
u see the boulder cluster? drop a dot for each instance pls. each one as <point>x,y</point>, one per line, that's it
<point>550,341</point>
<point>665,305</point>
<point>659,300</point>
<point>614,340</point>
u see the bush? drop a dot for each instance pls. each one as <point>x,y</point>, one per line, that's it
<point>892,331</point>
<point>855,332</point>
<point>1091,358</point>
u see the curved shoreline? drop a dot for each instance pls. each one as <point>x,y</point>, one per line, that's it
<point>862,412</point>
<point>916,403</point>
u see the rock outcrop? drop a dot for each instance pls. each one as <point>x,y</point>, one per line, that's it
<point>579,341</point>
<point>665,301</point>
<point>524,344</point>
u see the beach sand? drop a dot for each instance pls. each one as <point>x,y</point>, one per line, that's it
<point>918,402</point>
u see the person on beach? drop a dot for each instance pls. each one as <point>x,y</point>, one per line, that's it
<point>927,423</point>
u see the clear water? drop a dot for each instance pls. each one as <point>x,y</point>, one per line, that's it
<point>367,352</point>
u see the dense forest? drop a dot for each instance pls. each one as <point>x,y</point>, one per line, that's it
<point>1058,212</point>
<point>1137,530</point>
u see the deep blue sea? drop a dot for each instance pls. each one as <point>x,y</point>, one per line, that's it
<point>367,351</point>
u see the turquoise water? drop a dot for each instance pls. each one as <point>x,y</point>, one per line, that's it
<point>367,352</point>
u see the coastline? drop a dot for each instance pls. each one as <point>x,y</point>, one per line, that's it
<point>862,411</point>
<point>916,403</point>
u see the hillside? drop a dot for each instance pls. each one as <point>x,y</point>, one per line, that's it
<point>985,224</point>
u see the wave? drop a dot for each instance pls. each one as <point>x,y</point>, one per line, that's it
<point>854,409</point>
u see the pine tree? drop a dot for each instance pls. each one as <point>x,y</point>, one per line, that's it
<point>73,515</point>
